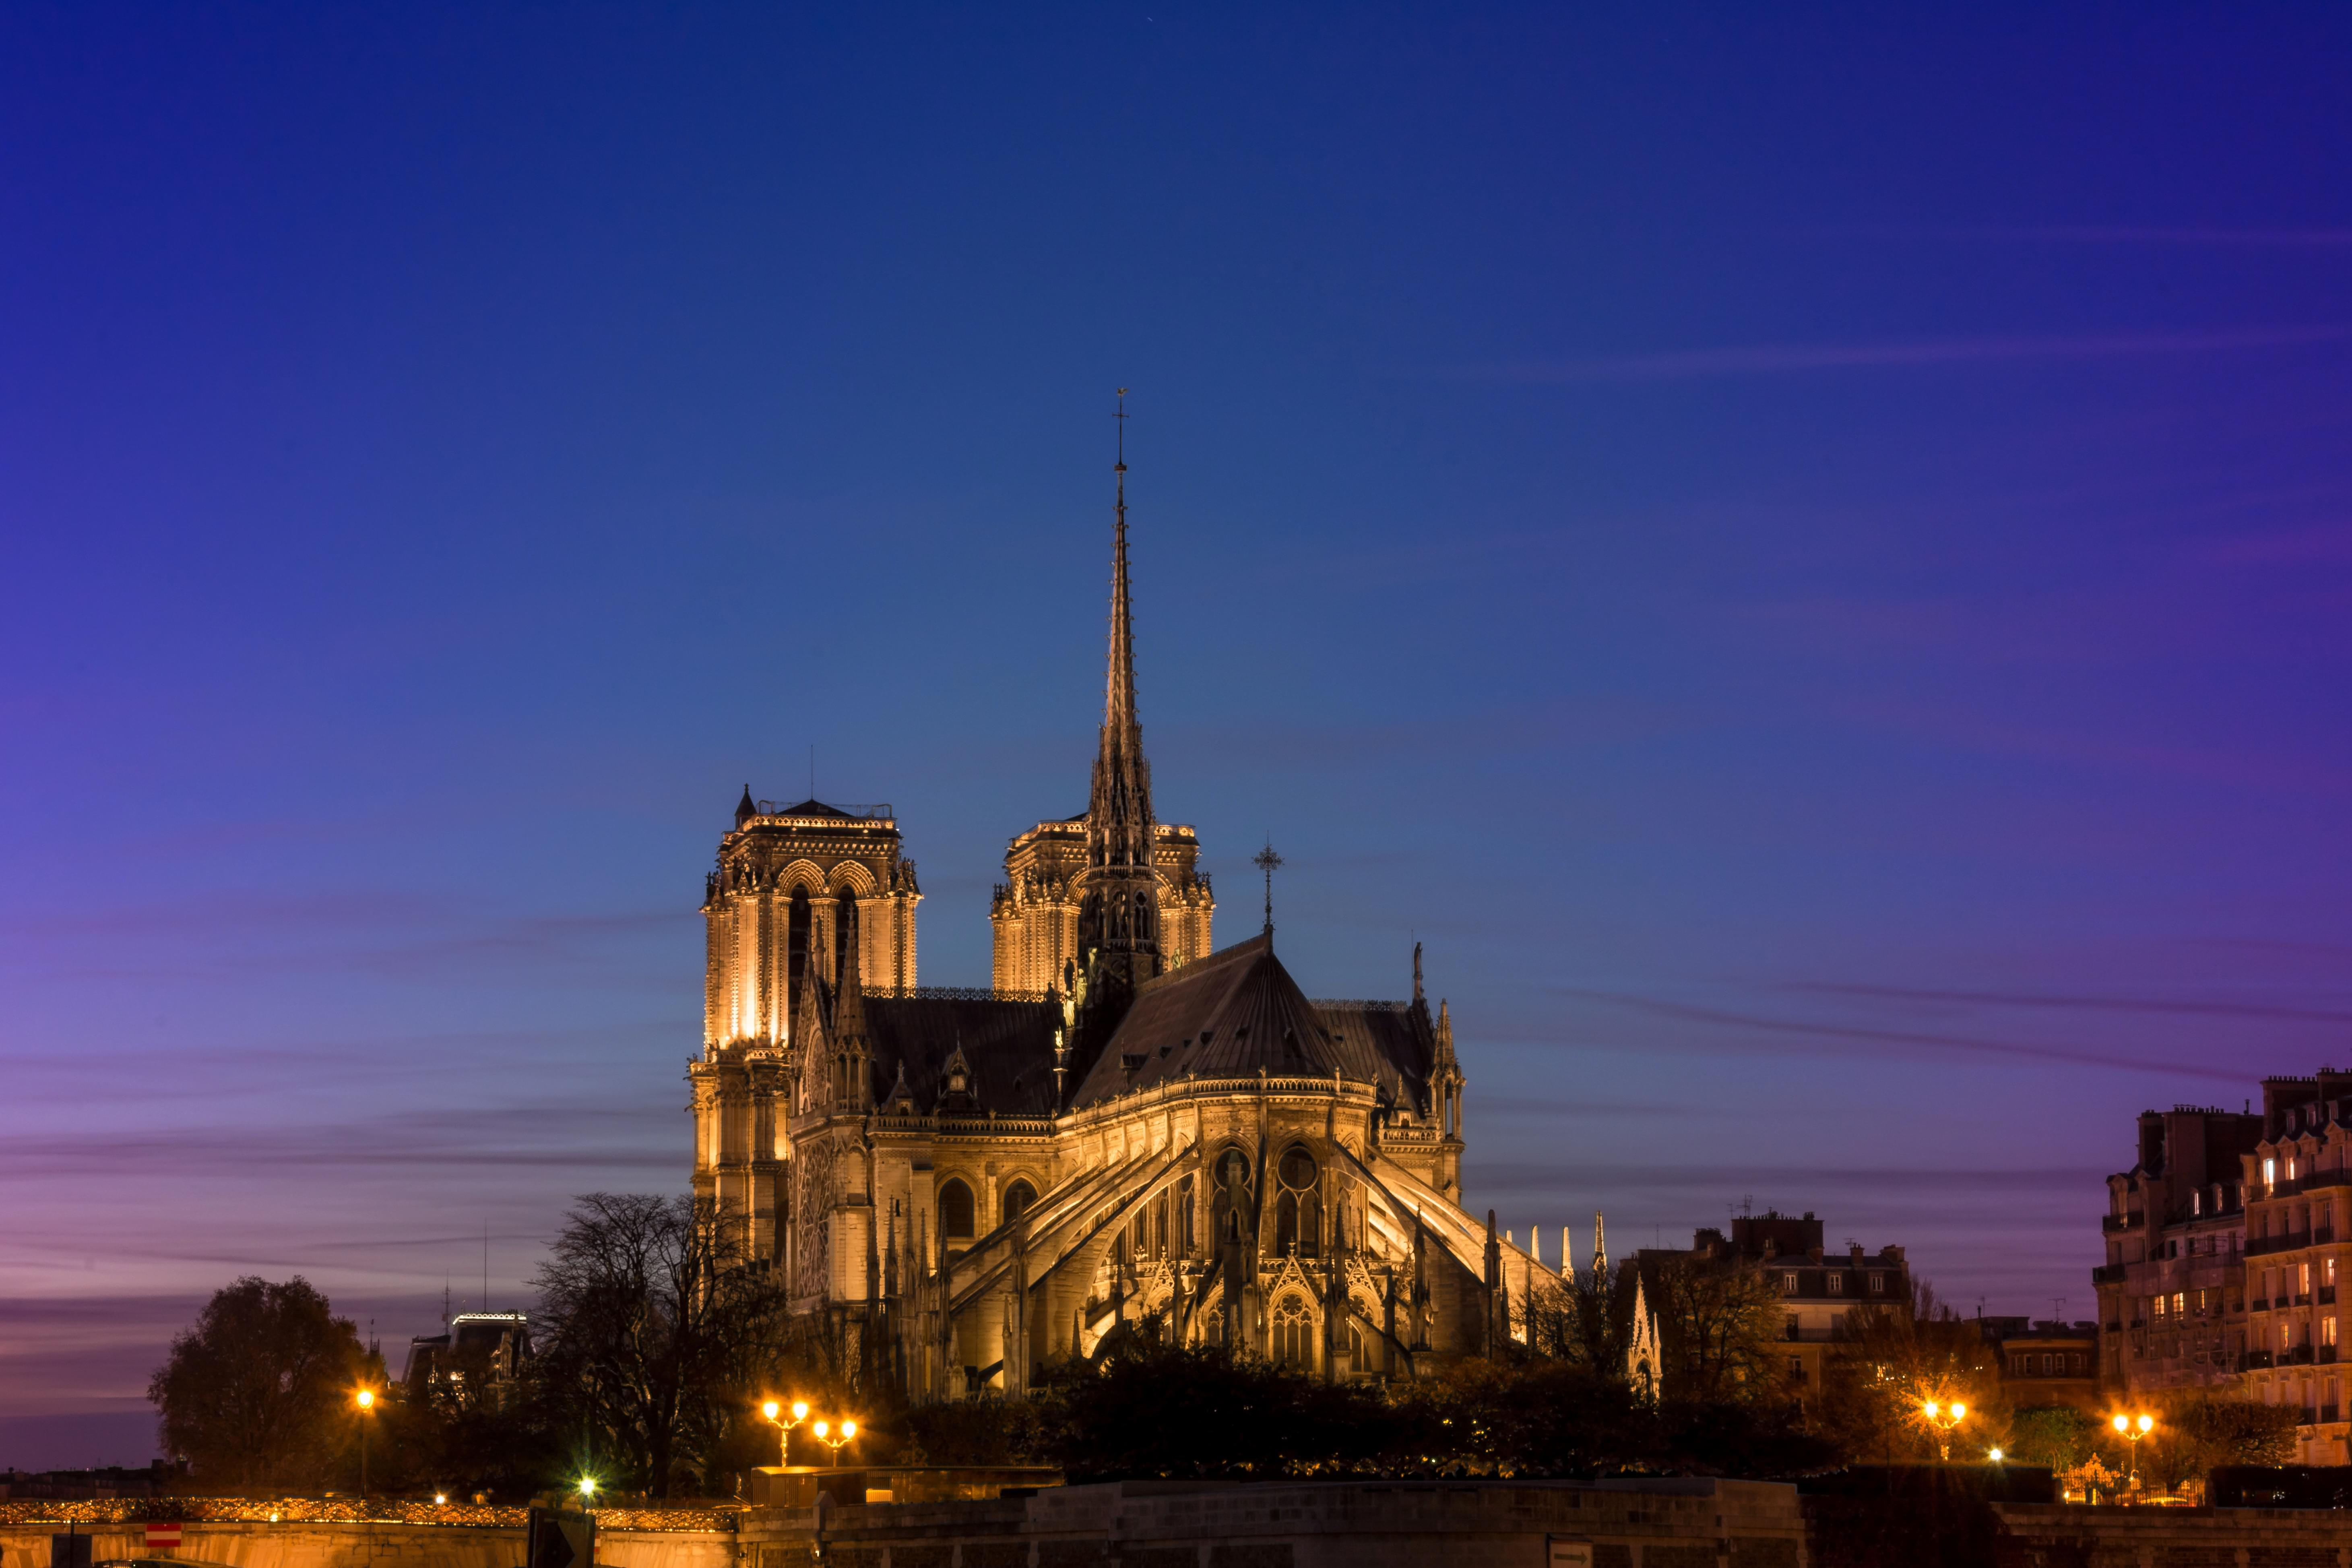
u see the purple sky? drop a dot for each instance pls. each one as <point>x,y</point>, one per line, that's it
<point>1806,555</point>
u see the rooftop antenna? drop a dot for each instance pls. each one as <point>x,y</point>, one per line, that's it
<point>1267,861</point>
<point>486,1266</point>
<point>2058,1309</point>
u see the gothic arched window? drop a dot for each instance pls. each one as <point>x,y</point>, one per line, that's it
<point>1298,1212</point>
<point>1017,1199</point>
<point>1230,1214</point>
<point>797,945</point>
<point>844,929</point>
<point>1292,1335</point>
<point>955,1208</point>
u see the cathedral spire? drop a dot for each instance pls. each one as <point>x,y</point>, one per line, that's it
<point>1120,903</point>
<point>1118,696</point>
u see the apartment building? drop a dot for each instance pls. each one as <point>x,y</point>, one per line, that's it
<point>2172,1293</point>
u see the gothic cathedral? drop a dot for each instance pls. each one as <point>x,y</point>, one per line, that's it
<point>1132,1131</point>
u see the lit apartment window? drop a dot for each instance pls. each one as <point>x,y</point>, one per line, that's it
<point>2180,1303</point>
<point>2327,1272</point>
<point>2046,1360</point>
<point>2196,1204</point>
<point>2327,1331</point>
<point>2302,1278</point>
<point>1837,1284</point>
<point>2270,1172</point>
<point>2284,1341</point>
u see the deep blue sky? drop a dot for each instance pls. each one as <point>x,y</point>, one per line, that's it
<point>1803,551</point>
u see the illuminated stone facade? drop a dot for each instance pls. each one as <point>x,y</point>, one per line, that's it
<point>2227,1246</point>
<point>1128,1128</point>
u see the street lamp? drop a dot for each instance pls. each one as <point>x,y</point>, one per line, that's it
<point>848,1430</point>
<point>1996,1456</point>
<point>1943,1418</point>
<point>2133,1431</point>
<point>587,1490</point>
<point>365,1398</point>
<point>774,1412</point>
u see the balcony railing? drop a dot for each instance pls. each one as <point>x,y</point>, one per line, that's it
<point>2107,1274</point>
<point>2299,1356</point>
<point>2260,1304</point>
<point>2326,1414</point>
<point>2253,1361</point>
<point>2115,1222</point>
<point>2327,1355</point>
<point>2259,1247</point>
<point>2327,1294</point>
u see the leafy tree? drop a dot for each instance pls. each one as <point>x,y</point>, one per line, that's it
<point>652,1337</point>
<point>2195,1432</point>
<point>257,1394</point>
<point>2058,1435</point>
<point>1155,1410</point>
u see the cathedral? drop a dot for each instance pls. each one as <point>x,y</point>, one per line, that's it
<point>1133,1131</point>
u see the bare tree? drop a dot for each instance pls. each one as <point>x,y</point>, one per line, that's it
<point>1718,1323</point>
<point>653,1334</point>
<point>1887,1362</point>
<point>257,1394</point>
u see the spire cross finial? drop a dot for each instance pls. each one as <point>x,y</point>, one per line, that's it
<point>1267,861</point>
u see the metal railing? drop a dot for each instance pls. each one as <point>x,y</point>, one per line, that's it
<point>875,812</point>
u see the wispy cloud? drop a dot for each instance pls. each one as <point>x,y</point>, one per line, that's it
<point>2173,234</point>
<point>1960,1045</point>
<point>1768,358</point>
<point>2164,1006</point>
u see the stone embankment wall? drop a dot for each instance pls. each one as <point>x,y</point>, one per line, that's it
<point>1358,1524</point>
<point>2060,1535</point>
<point>261,1544</point>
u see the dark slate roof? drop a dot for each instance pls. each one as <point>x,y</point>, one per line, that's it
<point>1238,1011</point>
<point>811,807</point>
<point>1007,1043</point>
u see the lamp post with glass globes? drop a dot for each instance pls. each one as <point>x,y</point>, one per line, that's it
<point>774,1412</point>
<point>2133,1431</point>
<point>827,1435</point>
<point>1943,1418</point>
<point>365,1400</point>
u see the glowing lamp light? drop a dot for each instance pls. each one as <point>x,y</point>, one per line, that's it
<point>2147,1423</point>
<point>366,1397</point>
<point>440,1497</point>
<point>2123,1423</point>
<point>1996,1456</point>
<point>800,1409</point>
<point>587,1485</point>
<point>821,1428</point>
<point>1932,1409</point>
<point>771,1409</point>
<point>849,1428</point>
<point>1960,1412</point>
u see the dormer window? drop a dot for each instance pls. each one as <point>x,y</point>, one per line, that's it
<point>957,1082</point>
<point>1131,1060</point>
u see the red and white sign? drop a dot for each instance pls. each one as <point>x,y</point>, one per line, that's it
<point>162,1535</point>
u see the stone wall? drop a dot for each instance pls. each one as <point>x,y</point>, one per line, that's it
<point>368,1545</point>
<point>2059,1535</point>
<point>1359,1524</point>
